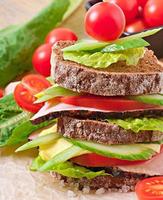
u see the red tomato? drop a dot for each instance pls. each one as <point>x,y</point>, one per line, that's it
<point>25,91</point>
<point>153,13</point>
<point>60,34</point>
<point>41,59</point>
<point>150,189</point>
<point>105,103</point>
<point>95,160</point>
<point>1,93</point>
<point>136,26</point>
<point>129,7</point>
<point>105,21</point>
<point>142,3</point>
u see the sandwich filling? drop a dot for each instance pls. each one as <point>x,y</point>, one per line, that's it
<point>99,135</point>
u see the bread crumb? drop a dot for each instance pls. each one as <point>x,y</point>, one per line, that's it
<point>86,190</point>
<point>71,194</point>
<point>100,191</point>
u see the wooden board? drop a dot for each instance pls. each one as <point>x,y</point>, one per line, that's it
<point>18,11</point>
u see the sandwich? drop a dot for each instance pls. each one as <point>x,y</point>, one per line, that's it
<point>107,102</point>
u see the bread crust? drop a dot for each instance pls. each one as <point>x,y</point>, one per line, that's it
<point>117,79</point>
<point>103,132</point>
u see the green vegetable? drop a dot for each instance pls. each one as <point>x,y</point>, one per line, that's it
<point>121,46</point>
<point>61,157</point>
<point>156,99</point>
<point>92,46</point>
<point>133,41</point>
<point>123,152</point>
<point>139,124</point>
<point>104,60</point>
<point>8,108</point>
<point>142,34</point>
<point>19,42</point>
<point>15,125</point>
<point>41,140</point>
<point>22,131</point>
<point>54,91</point>
<point>68,169</point>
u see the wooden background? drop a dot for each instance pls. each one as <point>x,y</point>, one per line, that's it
<point>18,11</point>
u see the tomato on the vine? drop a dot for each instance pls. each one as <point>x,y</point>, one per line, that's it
<point>60,34</point>
<point>129,7</point>
<point>153,13</point>
<point>25,91</point>
<point>105,21</point>
<point>136,26</point>
<point>41,59</point>
<point>142,3</point>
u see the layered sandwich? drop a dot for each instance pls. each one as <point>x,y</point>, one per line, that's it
<point>108,105</point>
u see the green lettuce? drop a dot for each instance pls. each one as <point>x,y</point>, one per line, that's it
<point>68,169</point>
<point>104,60</point>
<point>142,124</point>
<point>15,125</point>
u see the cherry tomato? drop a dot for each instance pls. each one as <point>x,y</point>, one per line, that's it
<point>105,103</point>
<point>150,189</point>
<point>95,160</point>
<point>105,21</point>
<point>60,34</point>
<point>153,13</point>
<point>1,93</point>
<point>41,59</point>
<point>136,26</point>
<point>142,3</point>
<point>129,7</point>
<point>25,91</point>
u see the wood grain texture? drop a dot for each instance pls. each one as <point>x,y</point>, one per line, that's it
<point>18,11</point>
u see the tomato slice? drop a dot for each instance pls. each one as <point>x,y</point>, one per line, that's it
<point>25,91</point>
<point>150,189</point>
<point>95,160</point>
<point>105,103</point>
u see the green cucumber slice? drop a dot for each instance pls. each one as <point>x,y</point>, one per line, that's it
<point>62,157</point>
<point>124,152</point>
<point>150,99</point>
<point>41,140</point>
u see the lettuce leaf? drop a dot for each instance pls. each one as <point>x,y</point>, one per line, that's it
<point>142,124</point>
<point>104,60</point>
<point>68,169</point>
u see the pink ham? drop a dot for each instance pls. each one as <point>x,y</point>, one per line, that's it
<point>153,167</point>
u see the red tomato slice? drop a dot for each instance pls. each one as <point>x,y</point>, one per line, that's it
<point>1,93</point>
<point>25,91</point>
<point>95,160</point>
<point>150,189</point>
<point>105,103</point>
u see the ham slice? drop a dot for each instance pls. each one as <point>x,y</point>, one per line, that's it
<point>47,109</point>
<point>153,167</point>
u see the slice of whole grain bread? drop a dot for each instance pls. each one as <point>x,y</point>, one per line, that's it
<point>116,181</point>
<point>117,79</point>
<point>103,132</point>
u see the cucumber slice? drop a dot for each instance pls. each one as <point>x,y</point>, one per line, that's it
<point>150,99</point>
<point>61,157</point>
<point>42,140</point>
<point>123,152</point>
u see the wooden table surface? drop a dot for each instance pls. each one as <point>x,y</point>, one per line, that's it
<point>18,11</point>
